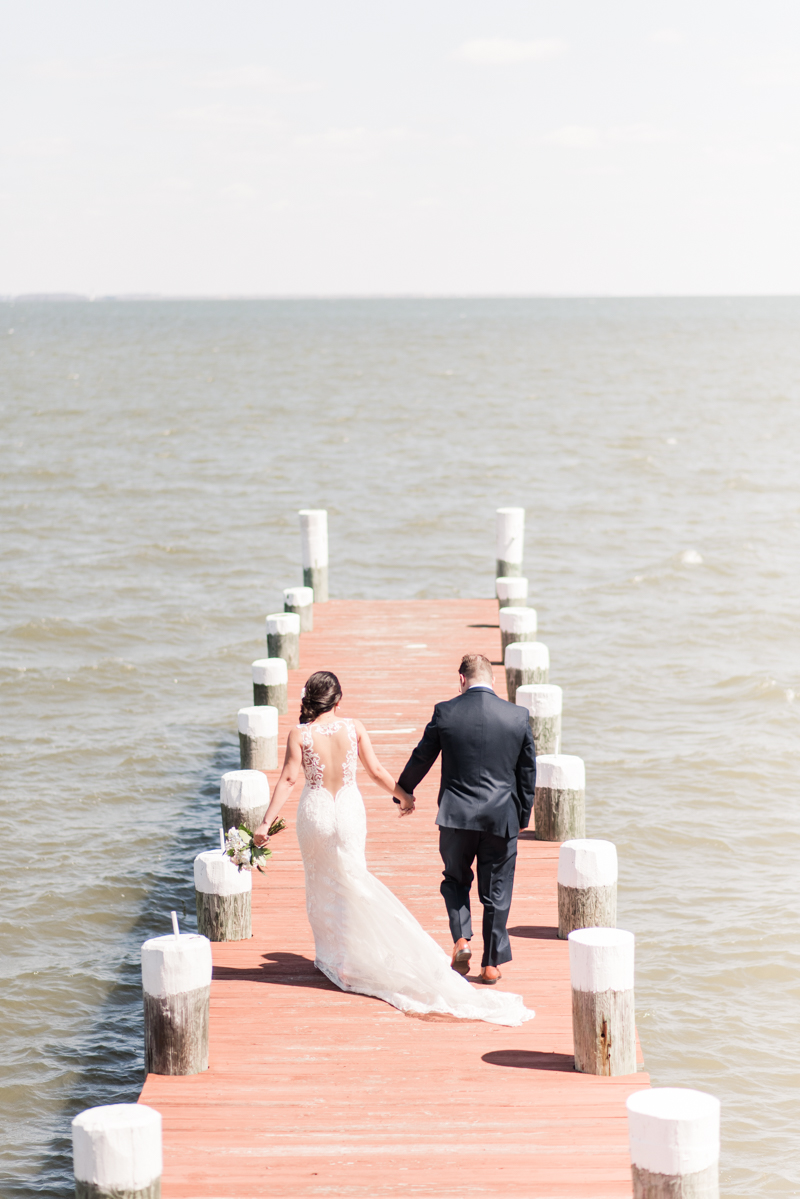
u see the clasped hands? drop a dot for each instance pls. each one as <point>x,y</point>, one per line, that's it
<point>407,801</point>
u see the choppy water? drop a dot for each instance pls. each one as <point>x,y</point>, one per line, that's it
<point>154,456</point>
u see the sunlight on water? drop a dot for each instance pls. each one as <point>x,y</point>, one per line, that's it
<point>155,455</point>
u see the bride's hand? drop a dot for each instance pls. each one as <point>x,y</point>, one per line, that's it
<point>261,838</point>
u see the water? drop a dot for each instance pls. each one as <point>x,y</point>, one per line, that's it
<point>155,455</point>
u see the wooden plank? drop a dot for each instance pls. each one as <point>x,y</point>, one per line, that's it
<point>311,1091</point>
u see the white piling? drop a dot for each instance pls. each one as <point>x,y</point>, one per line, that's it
<point>511,592</point>
<point>222,897</point>
<point>243,798</point>
<point>258,738</point>
<point>271,684</point>
<point>544,702</point>
<point>587,886</point>
<point>675,1143</point>
<point>510,541</point>
<point>176,980</point>
<point>300,600</point>
<point>525,662</point>
<point>516,624</point>
<point>314,539</point>
<point>283,638</point>
<point>559,801</point>
<point>116,1152</point>
<point>603,1013</point>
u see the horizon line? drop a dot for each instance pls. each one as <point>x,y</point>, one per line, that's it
<point>66,297</point>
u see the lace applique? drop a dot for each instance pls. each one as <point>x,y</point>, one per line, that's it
<point>313,767</point>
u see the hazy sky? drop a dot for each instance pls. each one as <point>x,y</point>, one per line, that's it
<point>444,146</point>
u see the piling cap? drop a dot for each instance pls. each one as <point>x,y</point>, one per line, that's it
<point>517,620</point>
<point>283,622</point>
<point>314,537</point>
<point>298,597</point>
<point>511,587</point>
<point>510,534</point>
<point>527,655</point>
<point>601,959</point>
<point>117,1147</point>
<point>270,672</point>
<point>587,863</point>
<point>673,1130</point>
<point>259,721</point>
<point>244,789</point>
<point>542,700</point>
<point>215,874</point>
<point>173,965</point>
<point>560,772</point>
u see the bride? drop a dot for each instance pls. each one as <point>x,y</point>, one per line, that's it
<point>366,940</point>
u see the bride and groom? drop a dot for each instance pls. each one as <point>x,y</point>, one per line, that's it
<point>366,940</point>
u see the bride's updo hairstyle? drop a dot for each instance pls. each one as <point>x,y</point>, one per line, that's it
<point>320,694</point>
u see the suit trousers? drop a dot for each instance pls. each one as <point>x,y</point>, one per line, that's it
<point>497,857</point>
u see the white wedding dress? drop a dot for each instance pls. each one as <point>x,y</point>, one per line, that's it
<point>366,940</point>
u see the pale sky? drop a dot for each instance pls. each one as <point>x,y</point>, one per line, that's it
<point>250,147</point>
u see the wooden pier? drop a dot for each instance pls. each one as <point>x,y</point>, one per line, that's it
<point>313,1092</point>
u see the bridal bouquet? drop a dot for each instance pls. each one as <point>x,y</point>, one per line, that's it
<point>243,851</point>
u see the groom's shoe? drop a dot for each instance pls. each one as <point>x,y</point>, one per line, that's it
<point>490,975</point>
<point>461,956</point>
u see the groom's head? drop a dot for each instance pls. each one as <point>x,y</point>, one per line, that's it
<point>475,668</point>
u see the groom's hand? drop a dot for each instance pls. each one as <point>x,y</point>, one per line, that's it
<point>407,802</point>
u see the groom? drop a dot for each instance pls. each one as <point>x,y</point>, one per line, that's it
<point>485,798</point>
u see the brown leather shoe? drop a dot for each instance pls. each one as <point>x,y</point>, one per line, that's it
<point>490,975</point>
<point>461,956</point>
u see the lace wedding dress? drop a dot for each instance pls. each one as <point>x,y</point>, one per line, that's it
<point>366,940</point>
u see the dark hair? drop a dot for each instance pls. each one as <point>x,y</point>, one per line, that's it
<point>475,666</point>
<point>322,693</point>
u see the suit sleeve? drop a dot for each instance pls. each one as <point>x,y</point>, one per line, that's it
<point>526,777</point>
<point>423,756</point>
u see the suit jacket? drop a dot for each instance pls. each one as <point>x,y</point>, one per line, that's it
<point>488,763</point>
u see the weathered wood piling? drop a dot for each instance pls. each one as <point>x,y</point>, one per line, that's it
<point>116,1152</point>
<point>283,638</point>
<point>270,684</point>
<point>525,662</point>
<point>258,738</point>
<point>300,601</point>
<point>603,1010</point>
<point>587,886</point>
<point>314,542</point>
<point>222,897</point>
<point>543,702</point>
<point>243,798</point>
<point>176,981</point>
<point>511,592</point>
<point>674,1143</point>
<point>559,804</point>
<point>516,624</point>
<point>510,541</point>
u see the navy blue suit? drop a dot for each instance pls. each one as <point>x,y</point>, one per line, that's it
<point>485,798</point>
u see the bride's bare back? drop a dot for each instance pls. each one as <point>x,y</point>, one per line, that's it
<point>330,754</point>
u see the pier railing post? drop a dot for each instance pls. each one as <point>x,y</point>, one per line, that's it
<point>283,638</point>
<point>544,702</point>
<point>314,541</point>
<point>222,897</point>
<point>516,624</point>
<point>587,886</point>
<point>271,684</point>
<point>116,1151</point>
<point>603,1010</point>
<point>510,541</point>
<point>675,1143</point>
<point>559,800</point>
<point>258,738</point>
<point>243,798</point>
<point>525,662</point>
<point>176,980</point>
<point>300,601</point>
<point>511,592</point>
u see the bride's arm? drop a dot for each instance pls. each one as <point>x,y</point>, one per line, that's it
<point>292,768</point>
<point>377,772</point>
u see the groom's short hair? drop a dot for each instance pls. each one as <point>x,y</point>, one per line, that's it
<point>476,666</point>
